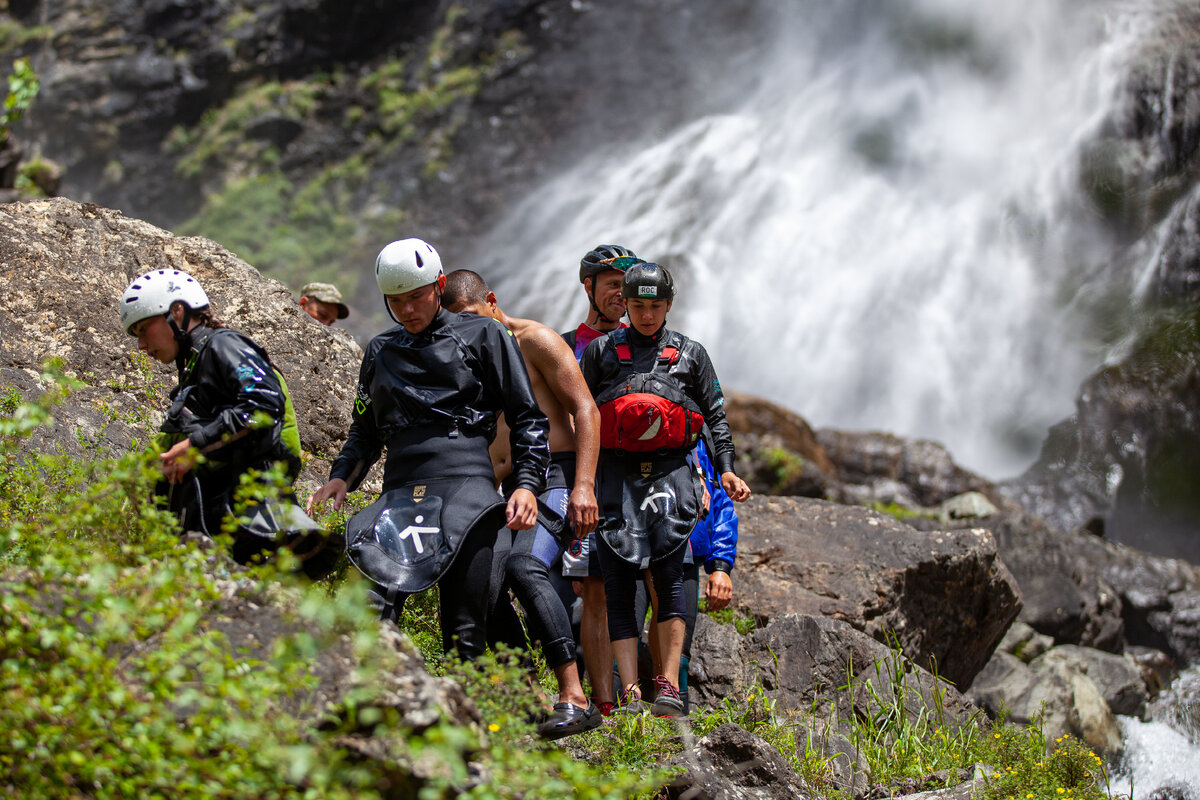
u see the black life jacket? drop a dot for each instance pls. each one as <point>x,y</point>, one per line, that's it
<point>648,411</point>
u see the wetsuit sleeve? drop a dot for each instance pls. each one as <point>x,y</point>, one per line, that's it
<point>363,445</point>
<point>506,379</point>
<point>233,363</point>
<point>705,390</point>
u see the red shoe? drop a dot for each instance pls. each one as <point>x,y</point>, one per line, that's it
<point>606,708</point>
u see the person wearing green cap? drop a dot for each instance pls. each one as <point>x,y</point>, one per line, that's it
<point>323,302</point>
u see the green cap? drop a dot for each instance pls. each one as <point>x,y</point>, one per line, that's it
<point>326,293</point>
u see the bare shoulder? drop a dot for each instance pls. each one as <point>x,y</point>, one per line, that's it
<point>540,342</point>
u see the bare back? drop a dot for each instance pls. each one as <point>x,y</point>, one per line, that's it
<point>557,384</point>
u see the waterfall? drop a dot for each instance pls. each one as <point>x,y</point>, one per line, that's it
<point>884,231</point>
<point>1164,752</point>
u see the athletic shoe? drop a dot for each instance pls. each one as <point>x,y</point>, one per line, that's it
<point>631,702</point>
<point>667,702</point>
<point>568,719</point>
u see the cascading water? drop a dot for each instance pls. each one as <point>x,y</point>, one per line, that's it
<point>885,232</point>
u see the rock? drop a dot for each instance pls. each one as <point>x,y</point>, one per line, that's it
<point>944,595</point>
<point>1118,678</point>
<point>1066,701</point>
<point>804,661</point>
<point>1022,641</point>
<point>731,764</point>
<point>848,769</point>
<point>971,505</point>
<point>883,468</point>
<point>65,266</point>
<point>1064,593</point>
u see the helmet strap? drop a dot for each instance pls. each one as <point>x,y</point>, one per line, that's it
<point>183,336</point>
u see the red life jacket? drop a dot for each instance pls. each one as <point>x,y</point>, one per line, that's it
<point>648,411</point>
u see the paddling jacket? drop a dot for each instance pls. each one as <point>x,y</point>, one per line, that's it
<point>232,403</point>
<point>433,397</point>
<point>692,372</point>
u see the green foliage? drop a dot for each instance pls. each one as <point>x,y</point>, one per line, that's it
<point>741,621</point>
<point>902,513</point>
<point>786,465</point>
<point>297,233</point>
<point>23,86</point>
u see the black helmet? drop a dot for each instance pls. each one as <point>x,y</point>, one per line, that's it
<point>605,257</point>
<point>648,281</point>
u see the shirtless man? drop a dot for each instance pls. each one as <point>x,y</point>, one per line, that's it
<point>566,401</point>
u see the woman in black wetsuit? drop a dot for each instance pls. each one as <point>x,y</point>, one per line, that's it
<point>655,389</point>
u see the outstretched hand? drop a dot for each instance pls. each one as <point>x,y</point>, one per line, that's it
<point>521,512</point>
<point>335,491</point>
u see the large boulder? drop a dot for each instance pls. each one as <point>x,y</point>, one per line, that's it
<point>733,764</point>
<point>805,661</point>
<point>65,266</point>
<point>945,596</point>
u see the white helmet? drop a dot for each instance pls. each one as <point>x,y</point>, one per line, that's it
<point>154,293</point>
<point>406,265</point>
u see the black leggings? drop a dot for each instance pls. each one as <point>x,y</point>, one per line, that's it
<point>620,589</point>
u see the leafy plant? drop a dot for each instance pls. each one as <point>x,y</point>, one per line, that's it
<point>23,86</point>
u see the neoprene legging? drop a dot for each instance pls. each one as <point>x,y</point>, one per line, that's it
<point>620,588</point>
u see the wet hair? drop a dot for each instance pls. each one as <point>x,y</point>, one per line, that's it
<point>464,286</point>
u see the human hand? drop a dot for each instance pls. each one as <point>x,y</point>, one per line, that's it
<point>335,491</point>
<point>718,590</point>
<point>178,460</point>
<point>735,487</point>
<point>583,513</point>
<point>521,512</point>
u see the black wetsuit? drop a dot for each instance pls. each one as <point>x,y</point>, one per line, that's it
<point>639,525</point>
<point>432,399</point>
<point>233,407</point>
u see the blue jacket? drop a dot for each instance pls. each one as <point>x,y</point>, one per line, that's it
<point>714,539</point>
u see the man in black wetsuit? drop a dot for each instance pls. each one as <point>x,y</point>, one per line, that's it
<point>430,390</point>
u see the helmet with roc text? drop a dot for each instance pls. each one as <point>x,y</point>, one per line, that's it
<point>154,293</point>
<point>648,281</point>
<point>605,257</point>
<point>405,265</point>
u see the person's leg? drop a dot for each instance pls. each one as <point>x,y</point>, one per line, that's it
<point>620,579</point>
<point>670,613</point>
<point>466,591</point>
<point>593,631</point>
<point>528,573</point>
<point>691,607</point>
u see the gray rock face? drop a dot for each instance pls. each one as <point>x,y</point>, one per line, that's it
<point>802,660</point>
<point>1118,678</point>
<point>732,764</point>
<point>881,467</point>
<point>1066,699</point>
<point>945,595</point>
<point>65,266</point>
